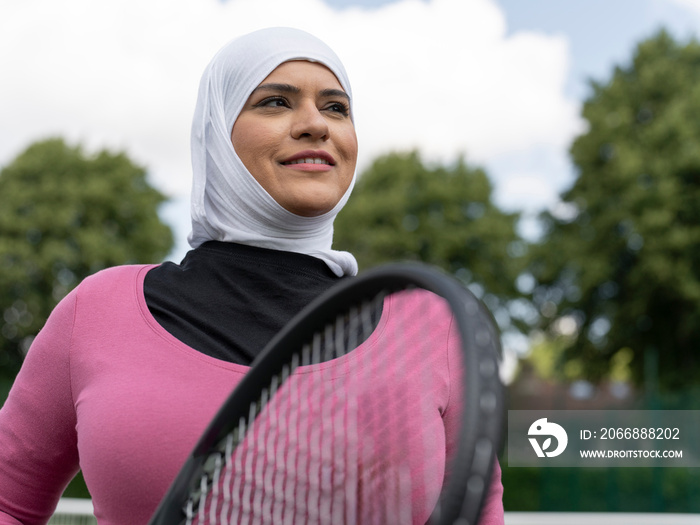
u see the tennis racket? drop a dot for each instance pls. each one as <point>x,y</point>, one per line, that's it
<point>379,403</point>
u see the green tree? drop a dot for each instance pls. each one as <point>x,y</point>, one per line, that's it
<point>402,210</point>
<point>65,214</point>
<point>624,261</point>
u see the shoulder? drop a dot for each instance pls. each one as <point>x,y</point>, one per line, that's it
<point>116,278</point>
<point>107,288</point>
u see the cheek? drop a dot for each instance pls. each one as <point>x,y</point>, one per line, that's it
<point>348,145</point>
<point>350,148</point>
<point>352,164</point>
<point>251,140</point>
<point>244,142</point>
<point>238,141</point>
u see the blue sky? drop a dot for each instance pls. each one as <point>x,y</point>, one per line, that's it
<point>602,33</point>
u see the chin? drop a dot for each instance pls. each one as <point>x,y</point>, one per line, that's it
<point>309,210</point>
<point>306,212</point>
<point>312,206</point>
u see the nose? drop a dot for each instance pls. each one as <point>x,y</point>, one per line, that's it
<point>309,123</point>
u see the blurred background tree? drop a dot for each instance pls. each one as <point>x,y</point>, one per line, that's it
<point>619,263</point>
<point>403,209</point>
<point>65,214</point>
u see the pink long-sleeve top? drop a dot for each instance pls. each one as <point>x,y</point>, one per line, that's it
<point>106,389</point>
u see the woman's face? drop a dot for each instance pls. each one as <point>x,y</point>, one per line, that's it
<point>295,136</point>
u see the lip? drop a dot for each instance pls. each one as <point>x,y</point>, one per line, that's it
<point>310,154</point>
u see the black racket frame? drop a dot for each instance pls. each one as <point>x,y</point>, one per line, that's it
<point>483,404</point>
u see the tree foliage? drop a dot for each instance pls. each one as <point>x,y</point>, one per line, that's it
<point>402,210</point>
<point>624,262</point>
<point>64,215</point>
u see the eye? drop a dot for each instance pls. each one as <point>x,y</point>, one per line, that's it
<point>273,102</point>
<point>338,107</point>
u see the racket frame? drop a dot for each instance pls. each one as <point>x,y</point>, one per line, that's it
<point>483,403</point>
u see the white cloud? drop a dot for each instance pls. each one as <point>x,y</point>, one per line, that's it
<point>442,76</point>
<point>693,5</point>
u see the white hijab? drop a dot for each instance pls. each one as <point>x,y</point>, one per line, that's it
<point>228,204</point>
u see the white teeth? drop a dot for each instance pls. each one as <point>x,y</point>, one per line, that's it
<point>309,160</point>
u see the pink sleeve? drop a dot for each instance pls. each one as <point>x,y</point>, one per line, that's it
<point>492,512</point>
<point>492,508</point>
<point>38,448</point>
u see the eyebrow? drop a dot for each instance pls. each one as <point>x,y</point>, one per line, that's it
<point>334,93</point>
<point>285,88</point>
<point>288,88</point>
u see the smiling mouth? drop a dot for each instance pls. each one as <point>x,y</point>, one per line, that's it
<point>307,160</point>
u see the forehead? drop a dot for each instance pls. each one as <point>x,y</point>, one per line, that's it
<point>303,72</point>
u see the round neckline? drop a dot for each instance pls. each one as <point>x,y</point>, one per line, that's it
<point>173,341</point>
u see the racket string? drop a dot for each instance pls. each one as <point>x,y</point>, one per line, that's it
<point>320,447</point>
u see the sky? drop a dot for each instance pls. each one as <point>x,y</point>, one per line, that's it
<point>499,82</point>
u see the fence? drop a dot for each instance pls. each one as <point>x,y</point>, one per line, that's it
<point>599,518</point>
<point>79,512</point>
<point>73,511</point>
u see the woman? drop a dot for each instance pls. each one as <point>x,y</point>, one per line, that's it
<point>133,363</point>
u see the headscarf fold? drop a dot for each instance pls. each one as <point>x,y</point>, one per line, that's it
<point>228,204</point>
